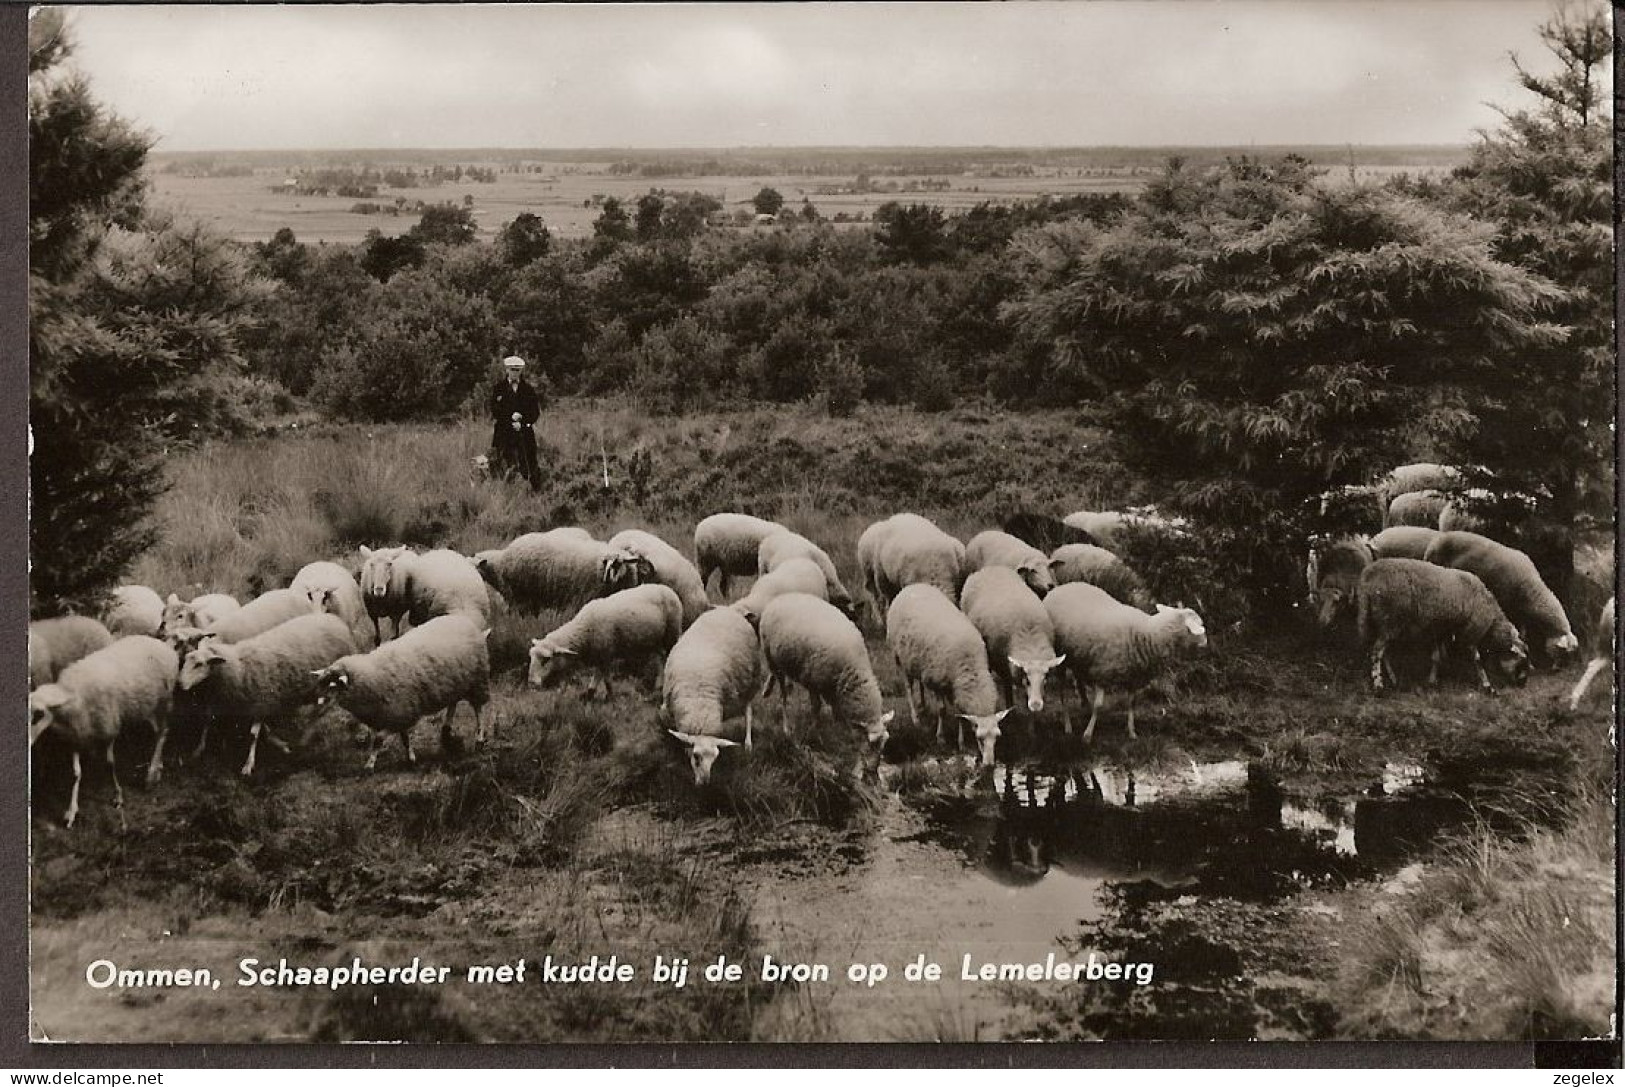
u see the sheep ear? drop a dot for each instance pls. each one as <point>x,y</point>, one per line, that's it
<point>565,651</point>
<point>485,635</point>
<point>173,600</point>
<point>366,552</point>
<point>1163,609</point>
<point>684,738</point>
<point>720,742</point>
<point>1058,661</point>
<point>886,717</point>
<point>1002,714</point>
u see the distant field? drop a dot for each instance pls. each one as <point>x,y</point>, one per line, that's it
<point>247,209</point>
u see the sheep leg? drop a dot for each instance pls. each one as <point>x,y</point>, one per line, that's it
<point>479,724</point>
<point>1483,677</point>
<point>747,726</point>
<point>155,766</point>
<point>118,790</point>
<point>202,736</point>
<point>1130,713</point>
<point>1095,702</point>
<point>1593,669</point>
<point>376,742</point>
<point>406,741</point>
<point>1083,700</point>
<point>1433,672</point>
<point>445,728</point>
<point>73,797</point>
<point>1379,649</point>
<point>253,747</point>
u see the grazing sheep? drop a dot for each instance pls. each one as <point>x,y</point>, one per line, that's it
<point>199,611</point>
<point>1403,542</point>
<point>128,680</point>
<point>1112,646</point>
<point>259,680</point>
<point>53,644</point>
<point>1111,529</point>
<point>907,549</point>
<point>433,666</point>
<point>260,615</point>
<point>1098,566</point>
<point>1044,532</point>
<point>728,543</point>
<point>383,587</point>
<point>334,590</point>
<point>995,548</point>
<point>134,609</point>
<point>798,575</point>
<point>561,568</point>
<point>634,627</point>
<point>1409,478</point>
<point>445,582</point>
<point>1333,575</point>
<point>1511,575</point>
<point>1019,635</point>
<point>1420,509</point>
<point>712,675</point>
<point>781,547</point>
<point>661,563</point>
<point>1408,600</point>
<point>809,641</point>
<point>1602,654</point>
<point>942,652</point>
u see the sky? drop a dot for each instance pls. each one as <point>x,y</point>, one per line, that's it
<point>1025,73</point>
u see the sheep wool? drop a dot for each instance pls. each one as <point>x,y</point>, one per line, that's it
<point>261,614</point>
<point>200,611</point>
<point>445,582</point>
<point>941,652</point>
<point>666,566</point>
<point>727,544</point>
<point>995,548</point>
<point>560,568</point>
<point>1511,575</point>
<point>1333,575</point>
<point>53,644</point>
<point>907,549</point>
<point>1420,509</point>
<point>334,590</point>
<point>127,681</point>
<point>781,547</point>
<point>431,667</point>
<point>712,675</point>
<point>383,587</point>
<point>1410,600</point>
<point>809,641</point>
<point>1098,566</point>
<point>260,680</point>
<point>134,609</point>
<point>1017,630</point>
<point>632,629</point>
<point>797,575</point>
<point>1111,646</point>
<point>1403,542</point>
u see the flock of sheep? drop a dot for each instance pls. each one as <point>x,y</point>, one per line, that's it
<point>969,625</point>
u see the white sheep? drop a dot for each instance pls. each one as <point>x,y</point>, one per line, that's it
<point>1111,528</point>
<point>445,582</point>
<point>1511,575</point>
<point>1602,654</point>
<point>798,575</point>
<point>199,611</point>
<point>939,650</point>
<point>259,680</point>
<point>659,562</point>
<point>907,549</point>
<point>810,642</point>
<point>134,609</point>
<point>1017,630</point>
<point>1420,509</point>
<point>432,667</point>
<point>53,644</point>
<point>783,546</point>
<point>1409,600</point>
<point>712,675</point>
<point>261,614</point>
<point>561,568</point>
<point>333,589</point>
<point>383,587</point>
<point>1112,646</point>
<point>94,698</point>
<point>1098,566</point>
<point>1403,542</point>
<point>1422,476</point>
<point>995,548</point>
<point>633,629</point>
<point>727,543</point>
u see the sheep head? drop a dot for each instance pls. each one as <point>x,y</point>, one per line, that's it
<point>48,706</point>
<point>1038,576</point>
<point>330,683</point>
<point>987,733</point>
<point>702,752</point>
<point>1034,672</point>
<point>199,664</point>
<point>550,663</point>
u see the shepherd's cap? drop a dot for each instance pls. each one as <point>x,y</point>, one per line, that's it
<point>514,362</point>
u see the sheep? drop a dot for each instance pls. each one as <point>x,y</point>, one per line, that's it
<point>333,589</point>
<point>1098,566</point>
<point>1602,654</point>
<point>810,642</point>
<point>728,544</point>
<point>636,627</point>
<point>128,680</point>
<point>1410,478</point>
<point>560,568</point>
<point>199,611</point>
<point>134,609</point>
<point>53,644</point>
<point>256,680</point>
<point>433,666</point>
<point>659,562</point>
<point>783,546</point>
<point>942,652</point>
<point>1403,542</point>
<point>1043,531</point>
<point>1111,529</point>
<point>1511,575</point>
<point>797,575</point>
<point>1112,646</point>
<point>1019,635</point>
<point>1333,574</point>
<point>907,549</point>
<point>445,582</point>
<point>1417,508</point>
<point>1413,600</point>
<point>260,615</point>
<point>712,675</point>
<point>383,587</point>
<point>995,548</point>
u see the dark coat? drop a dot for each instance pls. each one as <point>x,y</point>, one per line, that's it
<point>515,449</point>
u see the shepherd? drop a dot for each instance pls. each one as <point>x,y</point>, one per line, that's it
<point>515,408</point>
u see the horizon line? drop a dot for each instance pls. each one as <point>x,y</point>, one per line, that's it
<point>735,148</point>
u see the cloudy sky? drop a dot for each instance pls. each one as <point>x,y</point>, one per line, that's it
<point>1067,73</point>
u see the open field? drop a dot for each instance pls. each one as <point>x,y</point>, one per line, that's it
<point>1270,802</point>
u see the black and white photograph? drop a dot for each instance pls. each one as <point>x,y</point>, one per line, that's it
<point>1061,521</point>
